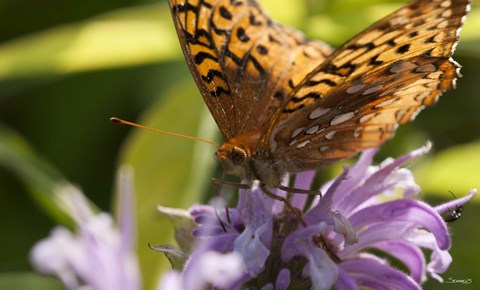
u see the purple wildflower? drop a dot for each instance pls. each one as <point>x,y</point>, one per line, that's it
<point>99,255</point>
<point>367,207</point>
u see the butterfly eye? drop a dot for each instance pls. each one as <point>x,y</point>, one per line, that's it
<point>237,155</point>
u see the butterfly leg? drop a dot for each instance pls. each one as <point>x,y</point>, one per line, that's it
<point>297,212</point>
<point>218,183</point>
<point>299,190</point>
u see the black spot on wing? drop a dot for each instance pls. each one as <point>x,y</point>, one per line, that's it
<point>403,49</point>
<point>225,13</point>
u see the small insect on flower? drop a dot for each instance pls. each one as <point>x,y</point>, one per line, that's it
<point>453,214</point>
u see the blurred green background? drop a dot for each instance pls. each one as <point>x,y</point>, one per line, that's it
<point>67,66</point>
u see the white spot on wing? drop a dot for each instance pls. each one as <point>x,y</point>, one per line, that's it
<point>386,103</point>
<point>399,21</point>
<point>324,148</point>
<point>321,130</point>
<point>372,90</point>
<point>296,132</point>
<point>330,135</point>
<point>357,132</point>
<point>454,46</point>
<point>447,13</point>
<point>442,24</point>
<point>312,130</point>
<point>415,114</point>
<point>318,112</point>
<point>446,3</point>
<point>366,118</point>
<point>434,75</point>
<point>303,144</point>
<point>426,68</point>
<point>403,11</point>
<point>342,118</point>
<point>401,67</point>
<point>355,88</point>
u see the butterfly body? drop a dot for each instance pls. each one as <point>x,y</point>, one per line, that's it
<point>286,104</point>
<point>241,159</point>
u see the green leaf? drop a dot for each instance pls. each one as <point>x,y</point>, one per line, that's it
<point>183,224</point>
<point>169,171</point>
<point>291,12</point>
<point>454,169</point>
<point>120,38</point>
<point>41,178</point>
<point>471,29</point>
<point>342,20</point>
<point>175,256</point>
<point>28,280</point>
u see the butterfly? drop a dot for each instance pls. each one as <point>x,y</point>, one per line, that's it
<point>285,103</point>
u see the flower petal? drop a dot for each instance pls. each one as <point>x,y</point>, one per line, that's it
<point>321,205</point>
<point>96,256</point>
<point>192,274</point>
<point>171,280</point>
<point>54,255</point>
<point>255,241</point>
<point>409,254</point>
<point>409,211</point>
<point>344,281</point>
<point>126,206</point>
<point>456,202</point>
<point>356,174</point>
<point>440,260</point>
<point>254,248</point>
<point>295,243</point>
<point>283,279</point>
<point>378,182</point>
<point>371,273</point>
<point>303,180</point>
<point>269,286</point>
<point>405,181</point>
<point>323,272</point>
<point>221,270</point>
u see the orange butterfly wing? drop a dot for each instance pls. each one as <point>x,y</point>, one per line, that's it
<point>242,61</point>
<point>287,104</point>
<point>377,80</point>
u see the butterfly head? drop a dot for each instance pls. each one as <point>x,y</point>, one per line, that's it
<point>240,157</point>
<point>233,159</point>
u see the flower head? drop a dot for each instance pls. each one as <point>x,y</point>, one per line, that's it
<point>367,207</point>
<point>100,255</point>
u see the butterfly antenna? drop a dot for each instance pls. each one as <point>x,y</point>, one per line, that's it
<point>120,121</point>
<point>452,194</point>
